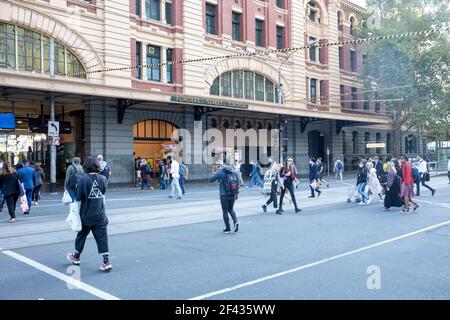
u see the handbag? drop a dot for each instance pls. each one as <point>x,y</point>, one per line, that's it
<point>74,219</point>
<point>24,204</point>
<point>314,184</point>
<point>66,198</point>
<point>426,176</point>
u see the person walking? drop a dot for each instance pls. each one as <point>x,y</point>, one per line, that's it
<point>373,182</point>
<point>255,175</point>
<point>237,166</point>
<point>146,172</point>
<point>313,178</point>
<point>163,175</point>
<point>392,198</point>
<point>40,178</point>
<point>228,190</point>
<point>289,174</point>
<point>73,174</point>
<point>28,177</point>
<point>90,191</point>
<point>175,172</point>
<point>105,168</point>
<point>272,176</point>
<point>321,172</point>
<point>424,175</point>
<point>407,186</point>
<point>9,184</point>
<point>338,169</point>
<point>183,176</point>
<point>361,182</point>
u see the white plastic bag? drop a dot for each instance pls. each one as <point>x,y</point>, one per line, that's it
<point>66,199</point>
<point>24,204</point>
<point>314,184</point>
<point>73,219</point>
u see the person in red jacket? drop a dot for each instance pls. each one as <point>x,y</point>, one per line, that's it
<point>407,188</point>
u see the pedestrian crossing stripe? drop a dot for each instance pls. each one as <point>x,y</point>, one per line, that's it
<point>95,193</point>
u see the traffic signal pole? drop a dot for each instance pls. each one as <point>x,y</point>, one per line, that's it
<point>52,118</point>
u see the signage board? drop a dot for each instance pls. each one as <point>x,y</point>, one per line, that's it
<point>53,129</point>
<point>375,145</point>
<point>200,101</point>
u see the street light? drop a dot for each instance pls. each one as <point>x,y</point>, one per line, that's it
<point>280,93</point>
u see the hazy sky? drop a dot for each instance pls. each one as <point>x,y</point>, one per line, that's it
<point>359,2</point>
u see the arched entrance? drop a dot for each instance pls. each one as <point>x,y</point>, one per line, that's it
<point>316,144</point>
<point>152,140</point>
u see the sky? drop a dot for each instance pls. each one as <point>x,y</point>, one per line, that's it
<point>362,3</point>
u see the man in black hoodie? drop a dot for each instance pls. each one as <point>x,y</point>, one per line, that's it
<point>90,191</point>
<point>229,189</point>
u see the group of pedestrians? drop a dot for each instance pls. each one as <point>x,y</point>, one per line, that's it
<point>23,180</point>
<point>396,179</point>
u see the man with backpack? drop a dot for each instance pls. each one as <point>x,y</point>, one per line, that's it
<point>73,173</point>
<point>424,175</point>
<point>105,168</point>
<point>229,190</point>
<point>338,168</point>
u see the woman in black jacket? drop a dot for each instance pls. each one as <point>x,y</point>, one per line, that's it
<point>90,192</point>
<point>10,189</point>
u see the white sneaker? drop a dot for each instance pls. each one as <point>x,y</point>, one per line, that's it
<point>369,201</point>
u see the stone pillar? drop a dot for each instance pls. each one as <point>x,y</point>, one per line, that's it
<point>164,67</point>
<point>162,6</point>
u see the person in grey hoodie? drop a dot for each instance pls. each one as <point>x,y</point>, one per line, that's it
<point>73,172</point>
<point>229,189</point>
<point>40,177</point>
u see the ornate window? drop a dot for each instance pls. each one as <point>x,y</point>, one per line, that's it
<point>244,84</point>
<point>313,11</point>
<point>26,50</point>
<point>153,130</point>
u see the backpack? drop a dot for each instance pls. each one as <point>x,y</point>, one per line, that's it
<point>74,178</point>
<point>106,171</point>
<point>416,175</point>
<point>182,170</point>
<point>231,184</point>
<point>339,165</point>
<point>147,169</point>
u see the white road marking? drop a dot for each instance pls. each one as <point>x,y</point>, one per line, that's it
<point>280,274</point>
<point>435,203</point>
<point>69,280</point>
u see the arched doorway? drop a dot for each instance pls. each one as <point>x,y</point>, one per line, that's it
<point>152,140</point>
<point>316,144</point>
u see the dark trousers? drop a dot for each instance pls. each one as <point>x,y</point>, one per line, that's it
<point>145,182</point>
<point>11,202</point>
<point>36,193</point>
<point>312,190</point>
<point>71,193</point>
<point>182,181</point>
<point>448,175</point>
<point>288,187</point>
<point>29,194</point>
<point>273,196</point>
<point>422,181</point>
<point>227,203</point>
<point>101,238</point>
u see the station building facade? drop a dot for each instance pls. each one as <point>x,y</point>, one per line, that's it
<point>124,112</point>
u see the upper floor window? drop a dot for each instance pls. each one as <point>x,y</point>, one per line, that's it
<point>23,49</point>
<point>138,59</point>
<point>280,37</point>
<point>313,90</point>
<point>353,60</point>
<point>259,33</point>
<point>352,25</point>
<point>169,69</point>
<point>313,12</point>
<point>154,57</point>
<point>236,21</point>
<point>341,57</point>
<point>169,13</point>
<point>153,9</point>
<point>354,97</point>
<point>210,19</point>
<point>137,8</point>
<point>313,51</point>
<point>244,84</point>
<point>280,4</point>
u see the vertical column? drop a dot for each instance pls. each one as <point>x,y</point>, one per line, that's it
<point>143,13</point>
<point>164,67</point>
<point>162,9</point>
<point>144,61</point>
<point>298,39</point>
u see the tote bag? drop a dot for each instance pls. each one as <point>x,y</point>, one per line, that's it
<point>24,204</point>
<point>74,219</point>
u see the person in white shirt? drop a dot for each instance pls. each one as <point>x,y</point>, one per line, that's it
<point>174,171</point>
<point>423,172</point>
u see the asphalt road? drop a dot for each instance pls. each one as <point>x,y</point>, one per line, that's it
<point>332,250</point>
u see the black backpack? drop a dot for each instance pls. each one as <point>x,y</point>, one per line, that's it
<point>106,172</point>
<point>74,178</point>
<point>231,184</point>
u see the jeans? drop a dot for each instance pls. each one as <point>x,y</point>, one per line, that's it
<point>101,238</point>
<point>227,204</point>
<point>182,181</point>
<point>288,187</point>
<point>256,180</point>
<point>71,194</point>
<point>362,191</point>
<point>145,183</point>
<point>29,194</point>
<point>176,188</point>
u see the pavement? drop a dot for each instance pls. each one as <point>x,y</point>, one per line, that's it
<point>174,249</point>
